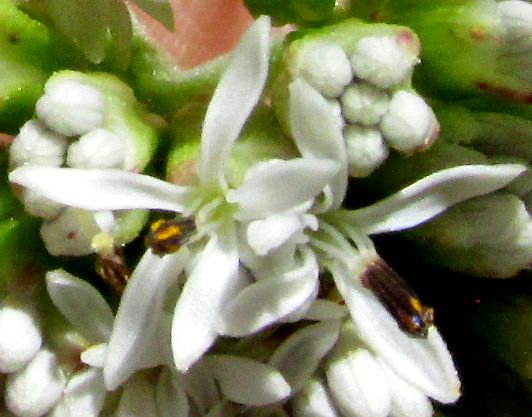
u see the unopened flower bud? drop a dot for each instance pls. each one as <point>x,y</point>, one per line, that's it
<point>382,61</point>
<point>37,145</point>
<point>313,401</point>
<point>358,384</point>
<point>366,150</point>
<point>71,233</point>
<point>20,337</point>
<point>326,67</point>
<point>70,107</point>
<point>99,148</point>
<point>33,391</point>
<point>38,205</point>
<point>410,124</point>
<point>364,104</point>
<point>516,17</point>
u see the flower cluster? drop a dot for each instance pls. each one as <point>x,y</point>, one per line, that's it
<point>264,293</point>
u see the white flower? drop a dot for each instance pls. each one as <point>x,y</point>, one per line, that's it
<point>269,188</point>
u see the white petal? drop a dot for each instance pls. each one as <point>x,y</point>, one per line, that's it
<point>322,309</point>
<point>270,233</point>
<point>170,395</point>
<point>20,337</point>
<point>248,382</point>
<point>276,185</point>
<point>407,401</point>
<point>432,195</point>
<point>207,288</point>
<point>138,399</point>
<point>318,132</point>
<point>269,300</point>
<point>95,355</point>
<point>35,390</point>
<point>299,356</point>
<point>235,97</point>
<point>138,314</point>
<point>83,396</point>
<point>81,304</point>
<point>314,401</point>
<point>358,385</point>
<point>92,189</point>
<point>424,363</point>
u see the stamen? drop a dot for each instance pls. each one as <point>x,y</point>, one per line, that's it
<point>112,267</point>
<point>168,236</point>
<point>400,300</point>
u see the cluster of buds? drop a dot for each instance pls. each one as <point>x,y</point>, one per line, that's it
<point>84,122</point>
<point>360,75</point>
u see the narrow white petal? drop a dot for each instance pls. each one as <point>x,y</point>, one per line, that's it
<point>208,287</point>
<point>248,382</point>
<point>407,401</point>
<point>276,185</point>
<point>138,398</point>
<point>424,363</point>
<point>138,314</point>
<point>101,189</point>
<point>83,396</point>
<point>235,97</point>
<point>269,300</point>
<point>81,304</point>
<point>299,356</point>
<point>317,131</point>
<point>432,195</point>
<point>314,400</point>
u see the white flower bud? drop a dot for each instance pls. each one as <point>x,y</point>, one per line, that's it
<point>326,67</point>
<point>20,338</point>
<point>516,18</point>
<point>364,104</point>
<point>71,108</point>
<point>382,61</point>
<point>38,205</point>
<point>358,385</point>
<point>37,145</point>
<point>33,391</point>
<point>99,148</point>
<point>366,150</point>
<point>410,124</point>
<point>71,233</point>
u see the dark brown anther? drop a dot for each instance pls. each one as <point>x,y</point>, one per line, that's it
<point>412,316</point>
